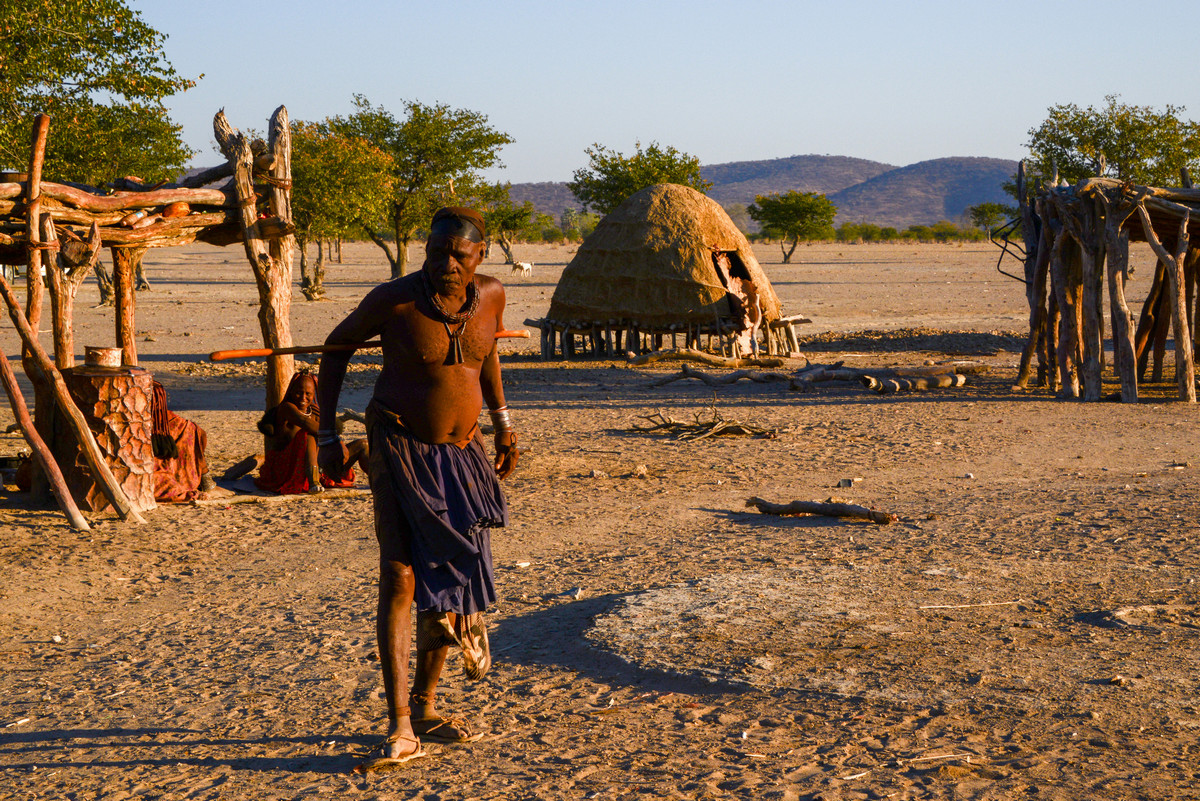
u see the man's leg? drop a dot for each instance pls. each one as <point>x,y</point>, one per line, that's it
<point>394,630</point>
<point>433,646</point>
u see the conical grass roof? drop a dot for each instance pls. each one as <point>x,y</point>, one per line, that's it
<point>650,262</point>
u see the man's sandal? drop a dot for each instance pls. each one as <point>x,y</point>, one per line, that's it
<point>445,730</point>
<point>382,761</point>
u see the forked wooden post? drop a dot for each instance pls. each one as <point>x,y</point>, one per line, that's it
<point>272,275</point>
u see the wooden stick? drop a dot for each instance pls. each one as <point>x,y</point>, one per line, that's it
<point>687,354</point>
<point>823,509</point>
<point>348,492</point>
<point>40,452</point>
<point>971,606</point>
<point>249,353</point>
<point>47,372</point>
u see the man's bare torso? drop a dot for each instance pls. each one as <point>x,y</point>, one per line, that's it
<point>438,402</point>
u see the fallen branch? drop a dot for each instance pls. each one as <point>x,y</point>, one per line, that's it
<point>692,355</point>
<point>971,606</point>
<point>688,371</point>
<point>822,509</point>
<point>351,492</point>
<point>703,429</point>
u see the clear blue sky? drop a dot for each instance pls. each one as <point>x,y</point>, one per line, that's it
<point>897,82</point>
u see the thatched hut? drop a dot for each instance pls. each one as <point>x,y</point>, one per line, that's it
<point>666,262</point>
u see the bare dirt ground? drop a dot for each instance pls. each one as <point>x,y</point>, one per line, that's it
<point>1028,628</point>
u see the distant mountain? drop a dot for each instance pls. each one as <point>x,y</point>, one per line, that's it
<point>925,192</point>
<point>741,181</point>
<point>863,191</point>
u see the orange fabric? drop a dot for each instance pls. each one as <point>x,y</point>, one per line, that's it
<point>178,480</point>
<point>283,471</point>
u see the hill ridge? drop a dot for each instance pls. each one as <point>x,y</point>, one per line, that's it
<point>863,190</point>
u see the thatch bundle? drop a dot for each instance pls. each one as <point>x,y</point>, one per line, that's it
<point>650,264</point>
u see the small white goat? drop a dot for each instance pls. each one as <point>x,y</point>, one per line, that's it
<point>523,267</point>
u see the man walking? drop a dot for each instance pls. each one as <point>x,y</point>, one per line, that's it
<point>436,494</point>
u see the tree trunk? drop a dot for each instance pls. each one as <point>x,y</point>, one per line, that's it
<point>1185,371</point>
<point>382,244</point>
<point>505,245</point>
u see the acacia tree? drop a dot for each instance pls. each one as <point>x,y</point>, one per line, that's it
<point>505,219</point>
<point>1134,143</point>
<point>793,216</point>
<point>337,181</point>
<point>989,215</point>
<point>101,74</point>
<point>611,177</point>
<point>437,153</point>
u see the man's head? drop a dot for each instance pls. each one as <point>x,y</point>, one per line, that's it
<point>454,248</point>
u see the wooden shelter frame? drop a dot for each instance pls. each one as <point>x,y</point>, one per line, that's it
<point>1077,245</point>
<point>58,229</point>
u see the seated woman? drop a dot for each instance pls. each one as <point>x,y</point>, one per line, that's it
<point>289,465</point>
<point>180,471</point>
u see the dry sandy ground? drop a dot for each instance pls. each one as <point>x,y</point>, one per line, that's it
<point>1028,628</point>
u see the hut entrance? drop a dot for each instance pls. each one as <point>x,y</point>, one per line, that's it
<point>745,305</point>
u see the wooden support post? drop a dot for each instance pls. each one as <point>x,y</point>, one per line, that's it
<point>125,262</point>
<point>1064,289</point>
<point>1038,274</point>
<point>49,374</point>
<point>1185,370</point>
<point>33,231</point>
<point>274,285</point>
<point>75,260</point>
<point>41,453</point>
<point>1116,237</point>
<point>1143,339</point>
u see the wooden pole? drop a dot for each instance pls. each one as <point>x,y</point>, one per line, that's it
<point>33,205</point>
<point>1116,237</point>
<point>125,261</point>
<point>274,287</point>
<point>1185,370</point>
<point>49,374</point>
<point>41,452</point>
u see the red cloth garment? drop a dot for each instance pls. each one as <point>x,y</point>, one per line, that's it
<point>177,480</point>
<point>283,471</point>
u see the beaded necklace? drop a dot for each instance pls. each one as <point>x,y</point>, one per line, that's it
<point>454,356</point>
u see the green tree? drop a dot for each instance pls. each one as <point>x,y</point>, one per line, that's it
<point>792,217</point>
<point>100,72</point>
<point>437,153</point>
<point>505,219</point>
<point>1134,143</point>
<point>337,181</point>
<point>611,177</point>
<point>988,216</point>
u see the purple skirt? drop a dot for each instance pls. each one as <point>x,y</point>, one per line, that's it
<point>439,503</point>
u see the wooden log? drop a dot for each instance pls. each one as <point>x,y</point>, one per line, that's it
<point>49,374</point>
<point>125,261</point>
<point>1185,370</point>
<point>827,509</point>
<point>687,371</point>
<point>248,353</point>
<point>41,453</point>
<point>890,385</point>
<point>60,317</point>
<point>128,201</point>
<point>33,234</point>
<point>1065,286</point>
<point>684,354</point>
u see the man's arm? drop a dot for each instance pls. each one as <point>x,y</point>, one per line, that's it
<point>361,324</point>
<point>492,389</point>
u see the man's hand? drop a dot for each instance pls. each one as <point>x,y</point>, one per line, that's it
<point>331,458</point>
<point>506,453</point>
